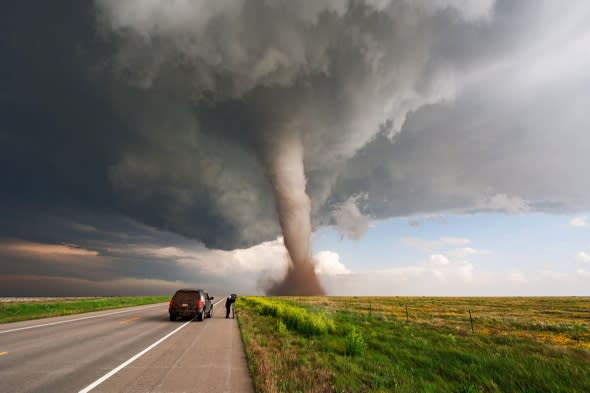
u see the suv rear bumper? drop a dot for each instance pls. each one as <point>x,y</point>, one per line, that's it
<point>185,312</point>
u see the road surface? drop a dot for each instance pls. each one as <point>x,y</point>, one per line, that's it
<point>135,349</point>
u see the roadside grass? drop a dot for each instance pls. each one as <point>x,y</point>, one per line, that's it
<point>294,317</point>
<point>378,348</point>
<point>22,311</point>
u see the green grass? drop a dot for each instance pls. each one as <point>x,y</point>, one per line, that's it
<point>13,312</point>
<point>293,317</point>
<point>379,352</point>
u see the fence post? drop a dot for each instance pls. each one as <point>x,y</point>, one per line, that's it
<point>407,315</point>
<point>471,321</point>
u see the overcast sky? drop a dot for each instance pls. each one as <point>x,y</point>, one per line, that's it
<point>446,145</point>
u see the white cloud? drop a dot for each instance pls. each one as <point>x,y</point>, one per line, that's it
<point>328,263</point>
<point>445,269</point>
<point>437,275</point>
<point>517,277</point>
<point>583,257</point>
<point>553,274</point>
<point>438,266</point>
<point>433,245</point>
<point>270,257</point>
<point>439,260</point>
<point>419,244</point>
<point>579,222</point>
<point>464,252</point>
<point>466,270</point>
<point>459,279</point>
<point>443,250</point>
<point>264,256</point>
<point>455,241</point>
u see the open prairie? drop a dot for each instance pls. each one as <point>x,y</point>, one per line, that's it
<point>417,344</point>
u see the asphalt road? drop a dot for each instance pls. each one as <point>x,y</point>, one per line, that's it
<point>135,349</point>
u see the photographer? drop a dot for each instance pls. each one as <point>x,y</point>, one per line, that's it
<point>231,299</point>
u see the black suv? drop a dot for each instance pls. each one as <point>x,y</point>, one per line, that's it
<point>191,303</point>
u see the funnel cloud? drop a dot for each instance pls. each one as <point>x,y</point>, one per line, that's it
<point>287,176</point>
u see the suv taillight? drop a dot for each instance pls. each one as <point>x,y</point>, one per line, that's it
<point>170,303</point>
<point>200,303</point>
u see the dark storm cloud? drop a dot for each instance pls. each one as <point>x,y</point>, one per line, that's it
<point>116,256</point>
<point>213,93</point>
<point>307,87</point>
<point>118,113</point>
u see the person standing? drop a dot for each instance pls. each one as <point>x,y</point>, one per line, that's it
<point>231,299</point>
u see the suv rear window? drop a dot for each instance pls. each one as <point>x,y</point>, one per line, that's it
<point>185,296</point>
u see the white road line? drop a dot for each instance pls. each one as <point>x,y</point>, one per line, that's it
<point>79,319</point>
<point>132,359</point>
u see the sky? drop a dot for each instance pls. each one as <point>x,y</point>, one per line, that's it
<point>432,147</point>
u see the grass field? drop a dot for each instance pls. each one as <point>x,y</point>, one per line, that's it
<point>361,344</point>
<point>21,311</point>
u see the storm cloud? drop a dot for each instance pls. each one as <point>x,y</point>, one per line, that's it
<point>170,114</point>
<point>218,94</point>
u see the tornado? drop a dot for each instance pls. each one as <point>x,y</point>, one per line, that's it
<point>287,176</point>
